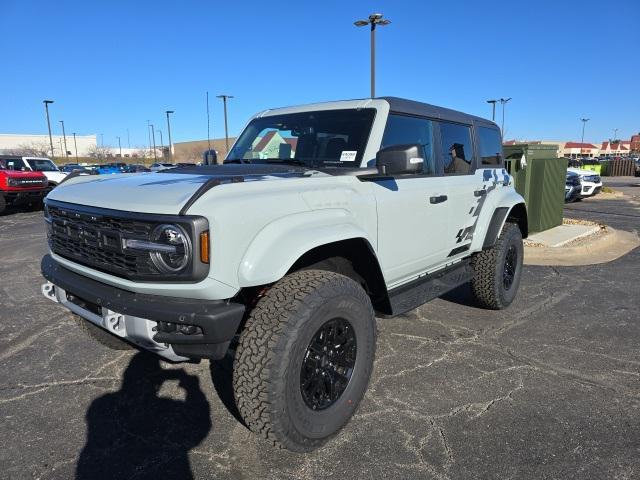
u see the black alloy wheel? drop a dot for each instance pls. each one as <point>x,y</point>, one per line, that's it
<point>328,364</point>
<point>510,264</point>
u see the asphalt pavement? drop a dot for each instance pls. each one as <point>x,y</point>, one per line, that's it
<point>549,388</point>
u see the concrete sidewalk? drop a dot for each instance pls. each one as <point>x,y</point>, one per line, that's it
<point>563,234</point>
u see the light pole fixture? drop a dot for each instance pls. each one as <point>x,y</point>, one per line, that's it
<point>46,108</point>
<point>226,130</point>
<point>64,136</point>
<point>153,136</point>
<point>374,20</point>
<point>149,133</point>
<point>169,132</point>
<point>75,145</point>
<point>119,146</point>
<point>584,123</point>
<point>161,143</point>
<point>503,101</point>
<point>493,109</point>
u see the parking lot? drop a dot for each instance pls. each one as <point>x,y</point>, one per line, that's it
<point>549,388</point>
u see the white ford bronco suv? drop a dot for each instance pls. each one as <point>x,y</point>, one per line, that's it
<point>321,218</point>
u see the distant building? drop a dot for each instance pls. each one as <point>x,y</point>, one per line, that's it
<point>615,149</point>
<point>634,144</point>
<point>11,143</point>
<point>577,149</point>
<point>192,151</point>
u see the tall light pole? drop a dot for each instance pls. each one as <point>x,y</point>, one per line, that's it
<point>161,143</point>
<point>153,136</point>
<point>374,20</point>
<point>493,109</point>
<point>149,133</point>
<point>46,108</point>
<point>169,132</point>
<point>615,134</point>
<point>226,130</point>
<point>584,122</point>
<point>64,136</point>
<point>119,146</point>
<point>75,146</point>
<point>128,139</point>
<point>208,136</point>
<point>503,101</point>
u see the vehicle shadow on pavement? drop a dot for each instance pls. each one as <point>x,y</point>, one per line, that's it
<point>135,433</point>
<point>461,295</point>
<point>222,378</point>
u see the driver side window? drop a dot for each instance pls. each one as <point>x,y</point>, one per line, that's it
<point>403,129</point>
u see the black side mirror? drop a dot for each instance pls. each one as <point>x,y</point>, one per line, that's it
<point>398,159</point>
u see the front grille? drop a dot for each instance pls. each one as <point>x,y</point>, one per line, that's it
<point>27,182</point>
<point>95,240</point>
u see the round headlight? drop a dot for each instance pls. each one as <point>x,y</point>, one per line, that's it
<point>171,260</point>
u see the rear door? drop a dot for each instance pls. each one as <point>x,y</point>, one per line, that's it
<point>471,177</point>
<point>412,209</point>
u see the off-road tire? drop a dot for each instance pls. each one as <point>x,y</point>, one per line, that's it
<point>271,349</point>
<point>101,336</point>
<point>488,283</point>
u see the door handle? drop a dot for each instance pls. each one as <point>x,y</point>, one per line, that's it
<point>438,199</point>
<point>479,193</point>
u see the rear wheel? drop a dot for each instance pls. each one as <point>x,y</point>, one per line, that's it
<point>101,336</point>
<point>498,270</point>
<point>3,203</point>
<point>304,359</point>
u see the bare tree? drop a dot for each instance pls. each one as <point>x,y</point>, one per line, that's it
<point>99,152</point>
<point>33,149</point>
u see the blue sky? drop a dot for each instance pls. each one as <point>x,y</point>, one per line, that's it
<point>112,65</point>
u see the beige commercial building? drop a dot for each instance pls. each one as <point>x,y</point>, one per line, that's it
<point>13,143</point>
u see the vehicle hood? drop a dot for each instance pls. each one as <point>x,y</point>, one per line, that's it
<point>55,176</point>
<point>165,192</point>
<point>20,174</point>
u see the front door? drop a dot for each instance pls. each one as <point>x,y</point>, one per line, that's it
<point>412,226</point>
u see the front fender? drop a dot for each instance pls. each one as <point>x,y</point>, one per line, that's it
<point>502,198</point>
<point>274,250</point>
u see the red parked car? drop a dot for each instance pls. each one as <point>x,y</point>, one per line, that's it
<point>21,187</point>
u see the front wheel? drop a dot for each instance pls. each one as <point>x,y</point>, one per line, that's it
<point>498,270</point>
<point>304,359</point>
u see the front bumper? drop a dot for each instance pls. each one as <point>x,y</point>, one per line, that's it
<point>136,316</point>
<point>13,197</point>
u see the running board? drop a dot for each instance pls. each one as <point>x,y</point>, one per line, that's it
<point>413,294</point>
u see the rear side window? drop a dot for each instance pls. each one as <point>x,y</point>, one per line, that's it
<point>490,146</point>
<point>403,130</point>
<point>457,149</point>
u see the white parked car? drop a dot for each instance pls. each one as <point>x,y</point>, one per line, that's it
<point>156,167</point>
<point>591,182</point>
<point>37,164</point>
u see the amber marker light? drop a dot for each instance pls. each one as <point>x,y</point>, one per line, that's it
<point>204,247</point>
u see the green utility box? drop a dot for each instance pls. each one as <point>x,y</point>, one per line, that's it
<point>540,180</point>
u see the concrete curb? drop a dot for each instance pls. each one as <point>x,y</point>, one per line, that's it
<point>602,249</point>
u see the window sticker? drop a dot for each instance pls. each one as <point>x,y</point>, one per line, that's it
<point>348,156</point>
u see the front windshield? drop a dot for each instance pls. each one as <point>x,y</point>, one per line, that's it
<point>42,165</point>
<point>315,138</point>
